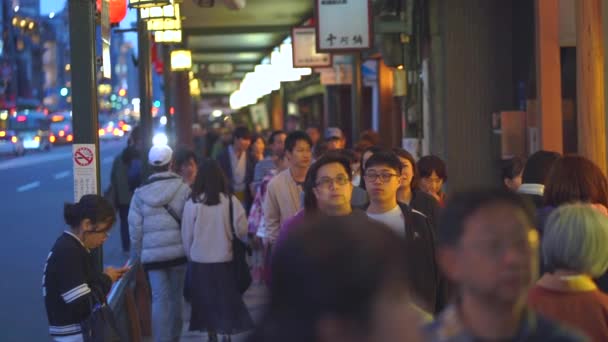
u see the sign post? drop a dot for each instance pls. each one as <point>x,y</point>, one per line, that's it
<point>334,34</point>
<point>85,107</point>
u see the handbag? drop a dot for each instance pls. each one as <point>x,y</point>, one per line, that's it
<point>100,326</point>
<point>239,260</point>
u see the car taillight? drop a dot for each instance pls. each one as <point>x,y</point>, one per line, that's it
<point>14,139</point>
<point>52,138</point>
<point>70,137</point>
<point>102,131</point>
<point>117,131</point>
<point>37,138</point>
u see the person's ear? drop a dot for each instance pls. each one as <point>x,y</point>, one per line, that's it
<point>86,225</point>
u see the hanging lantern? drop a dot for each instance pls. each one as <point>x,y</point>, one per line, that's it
<point>166,24</point>
<point>118,10</point>
<point>162,12</point>
<point>169,36</point>
<point>148,3</point>
<point>181,60</point>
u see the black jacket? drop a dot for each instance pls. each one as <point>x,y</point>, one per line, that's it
<point>426,281</point>
<point>226,165</point>
<point>427,205</point>
<point>70,284</point>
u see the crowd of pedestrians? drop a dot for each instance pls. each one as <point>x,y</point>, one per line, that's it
<point>361,244</point>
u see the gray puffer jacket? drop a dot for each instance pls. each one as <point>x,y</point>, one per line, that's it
<point>155,234</point>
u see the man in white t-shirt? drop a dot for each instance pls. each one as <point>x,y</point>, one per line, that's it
<point>382,180</point>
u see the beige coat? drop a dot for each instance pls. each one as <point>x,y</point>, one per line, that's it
<point>283,200</point>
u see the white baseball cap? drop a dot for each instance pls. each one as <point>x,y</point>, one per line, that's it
<point>160,155</point>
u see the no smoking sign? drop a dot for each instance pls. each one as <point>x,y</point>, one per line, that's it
<point>84,156</point>
<point>85,170</point>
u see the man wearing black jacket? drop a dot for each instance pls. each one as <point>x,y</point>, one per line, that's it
<point>238,165</point>
<point>382,179</point>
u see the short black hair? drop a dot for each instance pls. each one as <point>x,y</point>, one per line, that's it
<point>182,156</point>
<point>538,166</point>
<point>93,207</point>
<point>429,164</point>
<point>511,168</point>
<point>241,132</point>
<point>463,205</point>
<point>273,136</point>
<point>310,200</point>
<point>387,158</point>
<point>293,138</point>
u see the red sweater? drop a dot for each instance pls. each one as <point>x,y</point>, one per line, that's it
<point>585,311</point>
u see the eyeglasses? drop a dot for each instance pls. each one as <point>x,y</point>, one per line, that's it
<point>327,182</point>
<point>384,177</point>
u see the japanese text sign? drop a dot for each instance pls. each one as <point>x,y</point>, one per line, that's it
<point>343,25</point>
<point>305,53</point>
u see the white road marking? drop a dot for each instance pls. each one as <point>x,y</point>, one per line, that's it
<point>61,175</point>
<point>28,186</point>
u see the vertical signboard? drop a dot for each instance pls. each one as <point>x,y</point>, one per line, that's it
<point>343,25</point>
<point>304,44</point>
<point>85,170</point>
<point>105,39</point>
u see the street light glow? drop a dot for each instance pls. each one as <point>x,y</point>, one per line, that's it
<point>217,113</point>
<point>16,8</point>
<point>51,15</point>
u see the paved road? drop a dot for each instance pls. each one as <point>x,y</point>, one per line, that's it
<point>33,190</point>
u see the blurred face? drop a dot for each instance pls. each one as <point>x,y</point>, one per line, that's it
<point>335,144</point>
<point>278,144</point>
<point>314,135</point>
<point>301,156</point>
<point>431,184</point>
<point>496,258</point>
<point>333,189</point>
<point>382,182</point>
<point>94,235</point>
<point>407,173</point>
<point>188,171</point>
<point>258,147</point>
<point>242,144</point>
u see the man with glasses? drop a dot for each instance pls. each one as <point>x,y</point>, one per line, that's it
<point>382,180</point>
<point>489,248</point>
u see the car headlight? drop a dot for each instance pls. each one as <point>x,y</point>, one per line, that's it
<point>160,139</point>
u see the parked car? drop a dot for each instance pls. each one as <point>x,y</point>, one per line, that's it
<point>11,144</point>
<point>33,129</point>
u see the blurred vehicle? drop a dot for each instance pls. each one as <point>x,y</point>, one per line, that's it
<point>109,130</point>
<point>61,128</point>
<point>62,133</point>
<point>33,129</point>
<point>11,144</point>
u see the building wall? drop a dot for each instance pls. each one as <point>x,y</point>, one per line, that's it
<point>471,61</point>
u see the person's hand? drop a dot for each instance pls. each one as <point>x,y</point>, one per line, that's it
<point>115,273</point>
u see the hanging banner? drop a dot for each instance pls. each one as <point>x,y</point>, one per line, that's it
<point>343,25</point>
<point>305,55</point>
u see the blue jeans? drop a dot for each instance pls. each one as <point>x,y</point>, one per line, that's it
<point>167,297</point>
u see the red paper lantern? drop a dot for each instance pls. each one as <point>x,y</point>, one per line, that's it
<point>118,10</point>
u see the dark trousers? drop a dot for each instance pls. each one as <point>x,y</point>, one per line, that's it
<point>123,211</point>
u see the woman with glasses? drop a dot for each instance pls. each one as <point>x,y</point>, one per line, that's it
<point>327,190</point>
<point>71,285</point>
